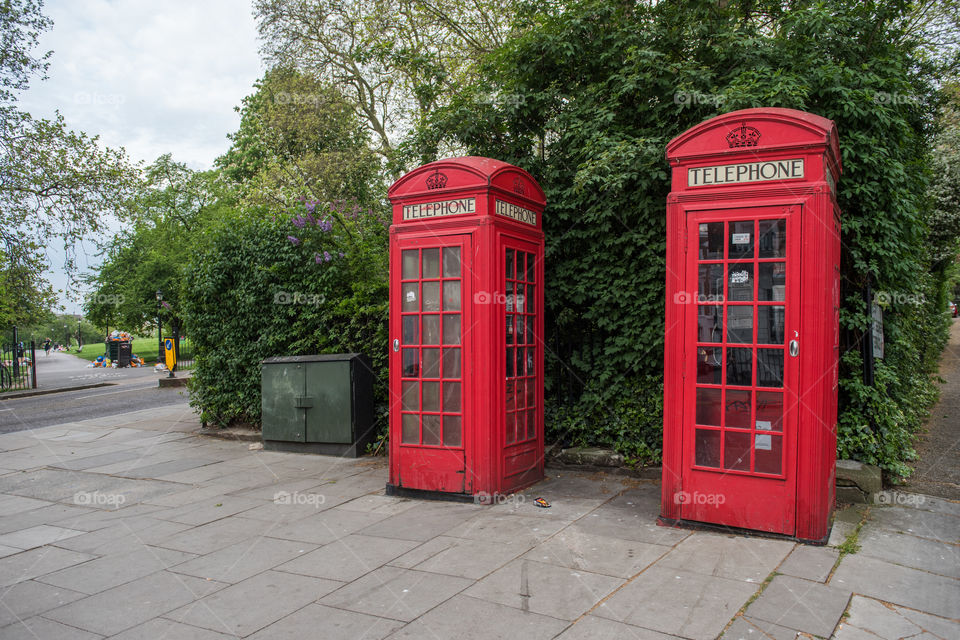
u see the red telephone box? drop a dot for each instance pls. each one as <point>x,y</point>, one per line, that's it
<point>466,301</point>
<point>752,324</point>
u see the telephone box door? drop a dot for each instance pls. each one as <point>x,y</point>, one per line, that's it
<point>742,321</point>
<point>427,376</point>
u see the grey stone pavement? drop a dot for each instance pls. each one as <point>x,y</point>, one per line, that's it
<point>133,526</point>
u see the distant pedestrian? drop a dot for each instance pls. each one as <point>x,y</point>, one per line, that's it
<point>46,346</point>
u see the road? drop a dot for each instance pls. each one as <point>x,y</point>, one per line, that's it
<point>129,390</point>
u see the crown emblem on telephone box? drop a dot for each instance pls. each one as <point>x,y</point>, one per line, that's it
<point>437,180</point>
<point>745,136</point>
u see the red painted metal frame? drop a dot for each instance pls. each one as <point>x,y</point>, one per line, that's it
<point>486,462</point>
<point>799,502</point>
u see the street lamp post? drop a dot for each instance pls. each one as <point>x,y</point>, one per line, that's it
<point>79,339</point>
<point>159,327</point>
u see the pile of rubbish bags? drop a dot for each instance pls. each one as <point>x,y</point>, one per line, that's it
<point>104,361</point>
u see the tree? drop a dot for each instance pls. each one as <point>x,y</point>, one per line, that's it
<point>397,60</point>
<point>299,139</point>
<point>55,184</point>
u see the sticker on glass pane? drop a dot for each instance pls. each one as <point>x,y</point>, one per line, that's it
<point>741,239</point>
<point>741,282</point>
<point>410,297</point>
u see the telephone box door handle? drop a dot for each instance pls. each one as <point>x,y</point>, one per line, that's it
<point>794,348</point>
<point>396,344</point>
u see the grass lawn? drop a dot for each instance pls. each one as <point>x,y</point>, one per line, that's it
<point>146,348</point>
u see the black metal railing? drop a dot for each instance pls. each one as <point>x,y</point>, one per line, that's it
<point>18,366</point>
<point>184,353</point>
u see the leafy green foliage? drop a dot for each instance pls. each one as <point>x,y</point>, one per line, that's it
<point>599,88</point>
<point>312,281</point>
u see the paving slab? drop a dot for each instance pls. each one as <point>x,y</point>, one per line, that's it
<point>326,526</point>
<point>113,570</point>
<point>163,629</point>
<point>726,556</point>
<point>578,549</point>
<point>629,524</point>
<point>243,560</point>
<point>810,563</point>
<point>209,510</point>
<point>595,628</point>
<point>38,628</point>
<point>56,513</point>
<point>318,621</point>
<point>489,525</point>
<point>747,628</point>
<point>399,594</point>
<point>554,591</point>
<point>678,602</point>
<point>37,536</point>
<point>879,619</point>
<point>423,521</point>
<point>899,585</point>
<point>37,562</point>
<point>29,598</point>
<point>471,619</point>
<point>250,605</point>
<point>216,535</point>
<point>931,624</point>
<point>918,522</point>
<point>462,557</point>
<point>803,605</point>
<point>910,551</point>
<point>348,558</point>
<point>123,536</point>
<point>10,505</point>
<point>114,610</point>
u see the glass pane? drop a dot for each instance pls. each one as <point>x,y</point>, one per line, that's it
<point>739,367</point>
<point>511,427</point>
<point>711,241</point>
<point>521,269</point>
<point>451,363</point>
<point>737,410</point>
<point>509,328</point>
<point>530,338</point>
<point>451,262</point>
<point>431,363</point>
<point>740,324</point>
<point>431,396</point>
<point>710,323</point>
<point>410,398</point>
<point>531,392</point>
<point>769,367</point>
<point>452,429</point>
<point>521,337</point>
<point>411,332</point>
<point>770,325</point>
<point>521,298</point>
<point>531,272</point>
<point>451,295</point>
<point>431,430</point>
<point>451,397</point>
<point>769,411</point>
<point>451,328</point>
<point>736,450</point>
<point>409,269</point>
<point>509,362</point>
<point>709,365</point>
<point>707,448</point>
<point>431,296</point>
<point>509,297</point>
<point>520,360</point>
<point>710,285</point>
<point>410,364</point>
<point>741,282</point>
<point>773,281</point>
<point>511,394</point>
<point>531,365</point>
<point>741,240</point>
<point>531,424</point>
<point>508,270</point>
<point>410,297</point>
<point>708,406</point>
<point>530,300</point>
<point>431,263</point>
<point>411,429</point>
<point>431,329</point>
<point>773,239</point>
<point>767,453</point>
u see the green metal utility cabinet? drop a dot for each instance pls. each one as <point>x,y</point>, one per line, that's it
<point>318,404</point>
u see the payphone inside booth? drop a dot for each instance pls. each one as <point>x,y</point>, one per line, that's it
<point>466,358</point>
<point>752,324</point>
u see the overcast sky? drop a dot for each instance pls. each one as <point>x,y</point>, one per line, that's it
<point>152,77</point>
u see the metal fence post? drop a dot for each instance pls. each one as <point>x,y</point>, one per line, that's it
<point>33,361</point>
